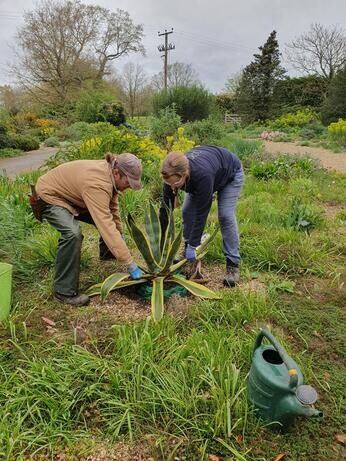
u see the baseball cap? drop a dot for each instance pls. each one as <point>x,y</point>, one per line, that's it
<point>131,166</point>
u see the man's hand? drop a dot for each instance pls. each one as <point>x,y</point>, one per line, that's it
<point>134,271</point>
<point>190,253</point>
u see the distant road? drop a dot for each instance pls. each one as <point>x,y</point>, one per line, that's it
<point>29,161</point>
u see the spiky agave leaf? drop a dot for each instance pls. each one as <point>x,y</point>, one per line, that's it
<point>157,301</point>
<point>172,251</point>
<point>111,282</point>
<point>142,244</point>
<point>169,238</point>
<point>153,229</point>
<point>193,287</point>
<point>203,246</point>
<point>96,289</point>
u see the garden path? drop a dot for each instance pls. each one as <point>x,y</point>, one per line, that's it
<point>29,161</point>
<point>328,159</point>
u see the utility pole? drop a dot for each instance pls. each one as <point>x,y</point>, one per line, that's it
<point>166,47</point>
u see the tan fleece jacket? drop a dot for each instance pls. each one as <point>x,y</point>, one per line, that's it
<point>88,185</point>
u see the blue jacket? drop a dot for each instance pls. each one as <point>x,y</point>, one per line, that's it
<point>211,168</point>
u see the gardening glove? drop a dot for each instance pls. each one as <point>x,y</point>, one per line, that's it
<point>190,253</point>
<point>134,271</point>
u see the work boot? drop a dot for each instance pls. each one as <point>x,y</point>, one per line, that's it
<point>74,300</point>
<point>232,275</point>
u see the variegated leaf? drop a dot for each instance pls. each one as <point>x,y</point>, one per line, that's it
<point>157,301</point>
<point>193,287</point>
<point>111,282</point>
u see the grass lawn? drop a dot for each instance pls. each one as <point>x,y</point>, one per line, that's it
<point>104,382</point>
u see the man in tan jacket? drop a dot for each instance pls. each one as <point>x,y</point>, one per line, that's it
<point>87,190</point>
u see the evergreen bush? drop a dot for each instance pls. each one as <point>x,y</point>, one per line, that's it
<point>191,103</point>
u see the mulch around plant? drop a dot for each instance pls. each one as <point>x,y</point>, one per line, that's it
<point>126,306</point>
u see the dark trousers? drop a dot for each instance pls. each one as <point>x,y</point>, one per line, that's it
<point>67,267</point>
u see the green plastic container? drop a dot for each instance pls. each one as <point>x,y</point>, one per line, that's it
<point>5,289</point>
<point>145,290</point>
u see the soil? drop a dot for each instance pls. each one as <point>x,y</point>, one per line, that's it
<point>125,305</point>
<point>29,161</point>
<point>327,158</point>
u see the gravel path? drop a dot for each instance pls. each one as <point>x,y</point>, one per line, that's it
<point>29,161</point>
<point>328,159</point>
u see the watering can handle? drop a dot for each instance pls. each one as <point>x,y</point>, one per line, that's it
<point>291,367</point>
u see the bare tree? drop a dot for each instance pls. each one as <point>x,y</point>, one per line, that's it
<point>179,74</point>
<point>117,36</point>
<point>232,83</point>
<point>133,85</point>
<point>64,43</point>
<point>321,51</point>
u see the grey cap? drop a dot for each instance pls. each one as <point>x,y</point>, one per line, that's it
<point>131,166</point>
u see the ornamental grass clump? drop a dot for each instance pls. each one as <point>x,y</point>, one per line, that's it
<point>159,249</point>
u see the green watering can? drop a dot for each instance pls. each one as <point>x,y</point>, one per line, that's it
<point>275,385</point>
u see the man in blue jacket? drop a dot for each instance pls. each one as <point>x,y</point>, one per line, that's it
<point>201,172</point>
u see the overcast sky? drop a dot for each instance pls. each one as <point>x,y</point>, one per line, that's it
<point>218,37</point>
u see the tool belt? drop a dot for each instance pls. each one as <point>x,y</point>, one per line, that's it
<point>36,203</point>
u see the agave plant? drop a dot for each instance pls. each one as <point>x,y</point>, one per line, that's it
<point>158,250</point>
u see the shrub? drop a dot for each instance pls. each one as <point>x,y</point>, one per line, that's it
<point>334,106</point>
<point>178,142</point>
<point>24,143</point>
<point>337,131</point>
<point>9,152</point>
<point>191,103</point>
<point>53,141</point>
<point>294,119</point>
<point>207,131</point>
<point>246,149</point>
<point>164,125</point>
<point>312,130</point>
<point>303,216</point>
<point>3,137</point>
<point>283,167</point>
<point>98,106</point>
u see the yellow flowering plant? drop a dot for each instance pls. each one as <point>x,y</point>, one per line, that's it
<point>337,131</point>
<point>178,142</point>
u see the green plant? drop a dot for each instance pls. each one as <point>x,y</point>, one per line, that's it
<point>291,120</point>
<point>25,143</point>
<point>158,250</point>
<point>303,216</point>
<point>191,103</point>
<point>207,131</point>
<point>165,124</point>
<point>312,130</point>
<point>98,105</point>
<point>52,141</point>
<point>9,152</point>
<point>283,167</point>
<point>337,131</point>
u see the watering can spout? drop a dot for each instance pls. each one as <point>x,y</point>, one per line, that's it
<point>308,411</point>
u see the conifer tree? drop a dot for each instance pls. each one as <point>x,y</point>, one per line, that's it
<point>335,104</point>
<point>253,97</point>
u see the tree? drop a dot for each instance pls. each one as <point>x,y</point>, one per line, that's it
<point>320,51</point>
<point>133,87</point>
<point>335,103</point>
<point>62,44</point>
<point>254,94</point>
<point>232,84</point>
<point>291,94</point>
<point>190,102</point>
<point>178,74</point>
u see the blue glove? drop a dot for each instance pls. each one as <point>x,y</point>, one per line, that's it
<point>134,271</point>
<point>190,253</point>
